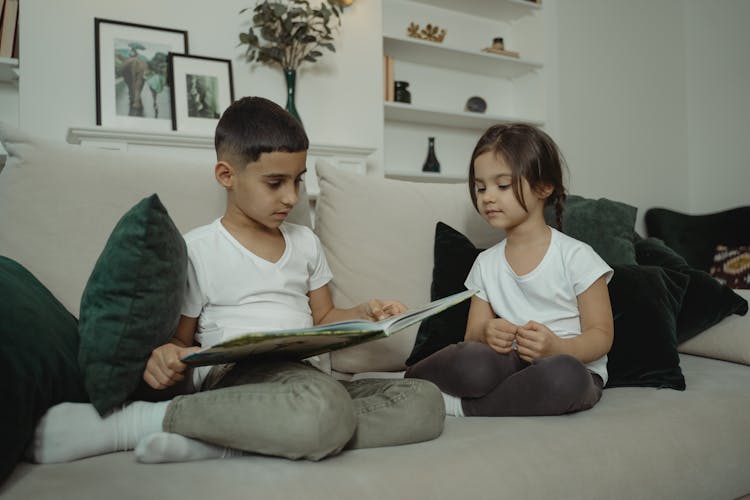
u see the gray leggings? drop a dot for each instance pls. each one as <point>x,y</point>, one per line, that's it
<point>292,410</point>
<point>493,384</point>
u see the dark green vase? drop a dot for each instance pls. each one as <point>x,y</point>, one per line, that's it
<point>291,81</point>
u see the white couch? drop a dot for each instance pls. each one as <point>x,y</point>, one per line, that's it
<point>58,205</point>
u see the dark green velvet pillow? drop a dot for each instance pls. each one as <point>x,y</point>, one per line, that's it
<point>706,300</point>
<point>606,225</point>
<point>38,347</point>
<point>645,303</point>
<point>454,256</point>
<point>131,303</point>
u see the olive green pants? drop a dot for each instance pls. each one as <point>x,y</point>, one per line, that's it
<point>292,410</point>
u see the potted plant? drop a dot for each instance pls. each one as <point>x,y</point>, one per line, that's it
<point>288,33</point>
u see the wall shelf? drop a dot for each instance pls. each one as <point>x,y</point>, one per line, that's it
<point>443,56</point>
<point>353,158</point>
<point>400,112</point>
<point>500,10</point>
<point>8,69</point>
<point>426,177</point>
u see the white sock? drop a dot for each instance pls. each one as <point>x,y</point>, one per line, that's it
<point>69,431</point>
<point>453,405</point>
<point>164,447</point>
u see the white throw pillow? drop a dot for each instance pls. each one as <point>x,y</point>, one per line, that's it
<point>379,236</point>
<point>59,204</point>
<point>728,340</point>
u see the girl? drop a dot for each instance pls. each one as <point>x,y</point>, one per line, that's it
<point>540,326</point>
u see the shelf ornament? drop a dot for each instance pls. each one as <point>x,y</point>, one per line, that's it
<point>430,33</point>
<point>288,33</point>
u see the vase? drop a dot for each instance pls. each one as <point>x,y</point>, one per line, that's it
<point>431,164</point>
<point>291,82</point>
<point>402,93</point>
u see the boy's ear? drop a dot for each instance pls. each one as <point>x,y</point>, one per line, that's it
<point>224,174</point>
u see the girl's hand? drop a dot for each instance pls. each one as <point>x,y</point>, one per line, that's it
<point>375,310</point>
<point>499,334</point>
<point>536,341</point>
<point>164,368</point>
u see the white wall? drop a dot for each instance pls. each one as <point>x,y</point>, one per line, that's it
<point>718,103</point>
<point>338,98</point>
<point>648,100</point>
<point>621,97</point>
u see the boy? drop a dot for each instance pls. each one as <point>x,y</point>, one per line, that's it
<point>251,270</point>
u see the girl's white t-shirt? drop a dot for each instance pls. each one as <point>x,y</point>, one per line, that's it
<point>548,294</point>
<point>232,291</point>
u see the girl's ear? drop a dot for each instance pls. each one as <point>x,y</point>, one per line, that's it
<point>224,174</point>
<point>544,191</point>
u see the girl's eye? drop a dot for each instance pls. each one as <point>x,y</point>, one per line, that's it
<point>503,187</point>
<point>274,185</point>
<point>479,189</point>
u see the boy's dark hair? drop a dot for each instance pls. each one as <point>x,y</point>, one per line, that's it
<point>532,155</point>
<point>252,126</point>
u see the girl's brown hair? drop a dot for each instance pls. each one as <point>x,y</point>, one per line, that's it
<point>532,155</point>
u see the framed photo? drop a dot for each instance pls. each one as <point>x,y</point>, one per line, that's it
<point>202,90</point>
<point>132,87</point>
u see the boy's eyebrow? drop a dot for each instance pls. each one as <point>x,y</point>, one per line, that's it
<point>282,176</point>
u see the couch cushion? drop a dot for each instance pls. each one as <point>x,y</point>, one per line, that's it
<point>729,339</point>
<point>731,266</point>
<point>454,255</point>
<point>706,301</point>
<point>607,225</point>
<point>131,303</point>
<point>38,347</point>
<point>389,257</point>
<point>645,303</point>
<point>640,318</point>
<point>636,443</point>
<point>695,237</point>
<point>59,203</point>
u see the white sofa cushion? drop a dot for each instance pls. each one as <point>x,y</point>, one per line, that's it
<point>59,204</point>
<point>728,340</point>
<point>379,235</point>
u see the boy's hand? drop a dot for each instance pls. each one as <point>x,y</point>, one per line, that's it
<point>375,309</point>
<point>499,334</point>
<point>536,341</point>
<point>164,367</point>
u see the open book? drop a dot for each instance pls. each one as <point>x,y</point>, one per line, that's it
<point>305,342</point>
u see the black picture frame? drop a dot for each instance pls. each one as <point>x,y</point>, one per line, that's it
<point>132,74</point>
<point>202,88</point>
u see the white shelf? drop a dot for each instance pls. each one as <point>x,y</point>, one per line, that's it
<point>8,69</point>
<point>420,176</point>
<point>499,10</point>
<point>438,54</point>
<point>400,112</point>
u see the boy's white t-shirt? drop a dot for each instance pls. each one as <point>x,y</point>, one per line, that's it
<point>548,294</point>
<point>232,291</point>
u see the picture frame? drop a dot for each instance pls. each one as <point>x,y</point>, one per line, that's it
<point>132,74</point>
<point>203,88</point>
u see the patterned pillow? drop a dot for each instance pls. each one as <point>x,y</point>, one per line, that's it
<point>731,266</point>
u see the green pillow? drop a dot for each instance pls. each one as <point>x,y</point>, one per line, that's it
<point>131,303</point>
<point>706,300</point>
<point>608,226</point>
<point>645,303</point>
<point>38,346</point>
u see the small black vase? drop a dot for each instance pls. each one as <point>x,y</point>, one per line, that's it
<point>431,164</point>
<point>401,92</point>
